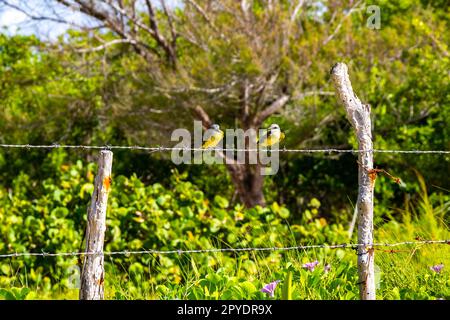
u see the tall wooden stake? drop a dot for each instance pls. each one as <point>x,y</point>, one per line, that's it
<point>359,116</point>
<point>92,276</point>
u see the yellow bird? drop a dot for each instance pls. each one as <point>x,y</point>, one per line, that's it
<point>214,137</point>
<point>272,136</point>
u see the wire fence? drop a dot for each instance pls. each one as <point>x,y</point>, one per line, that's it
<point>360,248</point>
<point>164,149</point>
<point>215,250</point>
<point>218,250</point>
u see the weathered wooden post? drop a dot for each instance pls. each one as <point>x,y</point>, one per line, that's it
<point>359,116</point>
<point>92,276</point>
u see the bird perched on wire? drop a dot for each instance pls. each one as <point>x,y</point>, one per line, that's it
<point>214,136</point>
<point>272,136</point>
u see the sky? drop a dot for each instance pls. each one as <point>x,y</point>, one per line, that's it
<point>13,21</point>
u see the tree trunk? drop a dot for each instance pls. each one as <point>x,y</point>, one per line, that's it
<point>248,183</point>
<point>247,179</point>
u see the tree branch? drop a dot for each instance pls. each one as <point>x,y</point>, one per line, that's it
<point>168,48</point>
<point>201,114</point>
<point>170,22</point>
<point>203,13</point>
<point>274,107</point>
<point>56,19</point>
<point>338,27</point>
<point>112,22</point>
<point>198,89</point>
<point>296,10</point>
<point>106,45</point>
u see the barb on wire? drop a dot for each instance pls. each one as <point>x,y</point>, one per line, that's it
<point>216,250</point>
<point>163,149</point>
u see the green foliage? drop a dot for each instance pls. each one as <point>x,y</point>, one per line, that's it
<point>114,95</point>
<point>287,287</point>
<point>50,216</point>
<point>41,99</point>
<point>50,93</point>
<point>14,293</point>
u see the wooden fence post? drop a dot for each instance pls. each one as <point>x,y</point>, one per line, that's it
<point>359,116</point>
<point>92,276</point>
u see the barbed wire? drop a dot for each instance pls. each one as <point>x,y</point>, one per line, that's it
<point>163,149</point>
<point>217,250</point>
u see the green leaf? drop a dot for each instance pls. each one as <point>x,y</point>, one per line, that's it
<point>7,295</point>
<point>24,293</point>
<point>14,293</point>
<point>287,287</point>
<point>248,287</point>
<point>86,189</point>
<point>284,213</point>
<point>221,202</point>
<point>5,269</point>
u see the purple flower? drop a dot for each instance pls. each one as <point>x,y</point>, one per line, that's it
<point>437,268</point>
<point>270,288</point>
<point>327,268</point>
<point>311,265</point>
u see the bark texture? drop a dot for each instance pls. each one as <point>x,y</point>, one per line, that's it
<point>92,276</point>
<point>359,116</point>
